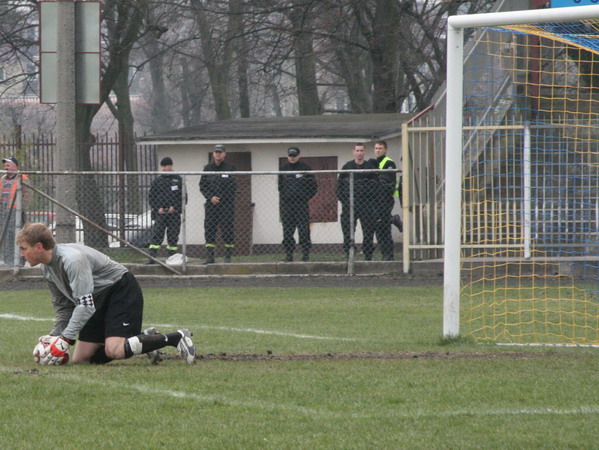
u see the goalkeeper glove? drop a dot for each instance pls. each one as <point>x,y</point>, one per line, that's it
<point>57,351</point>
<point>46,339</point>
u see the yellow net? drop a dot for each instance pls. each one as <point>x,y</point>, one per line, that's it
<point>530,223</point>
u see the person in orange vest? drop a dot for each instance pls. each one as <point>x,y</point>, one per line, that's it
<point>9,186</point>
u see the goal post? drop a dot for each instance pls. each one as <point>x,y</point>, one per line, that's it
<point>521,231</point>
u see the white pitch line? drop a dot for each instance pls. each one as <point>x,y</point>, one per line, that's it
<point>211,399</point>
<point>259,331</point>
<point>208,399</point>
<point>581,410</point>
<point>28,319</point>
<point>208,327</point>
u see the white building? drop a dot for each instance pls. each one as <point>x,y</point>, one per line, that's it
<point>260,145</point>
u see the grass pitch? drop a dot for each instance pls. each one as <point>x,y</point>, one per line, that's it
<point>296,368</point>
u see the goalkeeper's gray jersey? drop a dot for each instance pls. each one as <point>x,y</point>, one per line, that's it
<point>75,274</point>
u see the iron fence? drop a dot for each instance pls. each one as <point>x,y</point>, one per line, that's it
<point>112,213</point>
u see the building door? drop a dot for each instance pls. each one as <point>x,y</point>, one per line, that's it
<point>244,208</point>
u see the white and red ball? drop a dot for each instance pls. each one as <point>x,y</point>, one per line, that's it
<point>40,349</point>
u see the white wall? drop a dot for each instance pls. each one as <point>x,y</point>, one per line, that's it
<point>265,157</point>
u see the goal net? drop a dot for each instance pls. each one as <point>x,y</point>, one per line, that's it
<point>522,177</point>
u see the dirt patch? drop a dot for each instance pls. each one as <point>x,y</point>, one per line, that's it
<point>279,281</point>
<point>268,356</point>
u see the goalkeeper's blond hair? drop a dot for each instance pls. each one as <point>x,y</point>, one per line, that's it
<point>36,232</point>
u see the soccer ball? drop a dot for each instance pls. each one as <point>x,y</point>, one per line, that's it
<point>39,350</point>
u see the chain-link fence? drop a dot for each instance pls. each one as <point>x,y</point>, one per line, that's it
<point>215,216</point>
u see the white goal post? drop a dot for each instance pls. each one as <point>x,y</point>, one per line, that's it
<point>456,135</point>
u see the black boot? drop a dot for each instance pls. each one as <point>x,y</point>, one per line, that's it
<point>228,254</point>
<point>288,257</point>
<point>306,256</point>
<point>153,252</point>
<point>210,258</point>
<point>396,220</point>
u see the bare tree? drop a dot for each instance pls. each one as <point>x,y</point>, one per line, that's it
<point>206,59</point>
<point>155,54</point>
<point>217,52</point>
<point>302,17</point>
<point>18,48</point>
<point>241,50</point>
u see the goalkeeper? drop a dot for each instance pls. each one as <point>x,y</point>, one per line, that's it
<point>96,298</point>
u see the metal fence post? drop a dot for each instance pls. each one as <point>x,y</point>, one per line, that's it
<point>405,196</point>
<point>352,230</point>
<point>18,223</point>
<point>183,233</point>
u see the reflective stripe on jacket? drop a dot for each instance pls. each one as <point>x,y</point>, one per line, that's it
<point>7,198</point>
<point>382,166</point>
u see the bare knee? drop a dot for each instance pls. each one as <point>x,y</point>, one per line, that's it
<point>79,359</point>
<point>115,347</point>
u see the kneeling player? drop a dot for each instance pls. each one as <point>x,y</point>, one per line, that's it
<point>96,298</point>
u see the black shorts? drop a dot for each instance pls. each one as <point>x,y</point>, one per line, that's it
<point>119,312</point>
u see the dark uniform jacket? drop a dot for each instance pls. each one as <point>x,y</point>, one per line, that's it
<point>387,180</point>
<point>365,184</point>
<point>296,187</point>
<point>166,191</point>
<point>219,185</point>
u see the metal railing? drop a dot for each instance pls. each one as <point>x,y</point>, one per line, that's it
<point>105,218</point>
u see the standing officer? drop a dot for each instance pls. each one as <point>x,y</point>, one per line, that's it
<point>295,190</point>
<point>364,200</point>
<point>387,190</point>
<point>219,190</point>
<point>9,185</point>
<point>166,201</point>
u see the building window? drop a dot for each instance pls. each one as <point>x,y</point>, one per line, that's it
<point>31,82</point>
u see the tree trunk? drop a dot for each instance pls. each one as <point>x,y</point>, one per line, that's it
<point>217,67</point>
<point>191,96</point>
<point>383,53</point>
<point>161,119</point>
<point>89,200</point>
<point>241,49</point>
<point>305,63</point>
<point>356,85</point>
<point>123,23</point>
<point>125,119</point>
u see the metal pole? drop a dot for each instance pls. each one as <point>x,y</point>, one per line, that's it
<point>352,229</point>
<point>103,230</point>
<point>571,14</point>
<point>405,196</point>
<point>453,177</point>
<point>121,181</point>
<point>184,223</point>
<point>18,222</point>
<point>527,194</point>
<point>65,156</point>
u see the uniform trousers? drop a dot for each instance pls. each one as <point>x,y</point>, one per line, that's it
<point>383,227</point>
<point>7,246</point>
<point>219,216</point>
<point>296,215</point>
<point>171,223</point>
<point>365,212</point>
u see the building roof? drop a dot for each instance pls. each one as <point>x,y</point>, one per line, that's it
<point>333,128</point>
